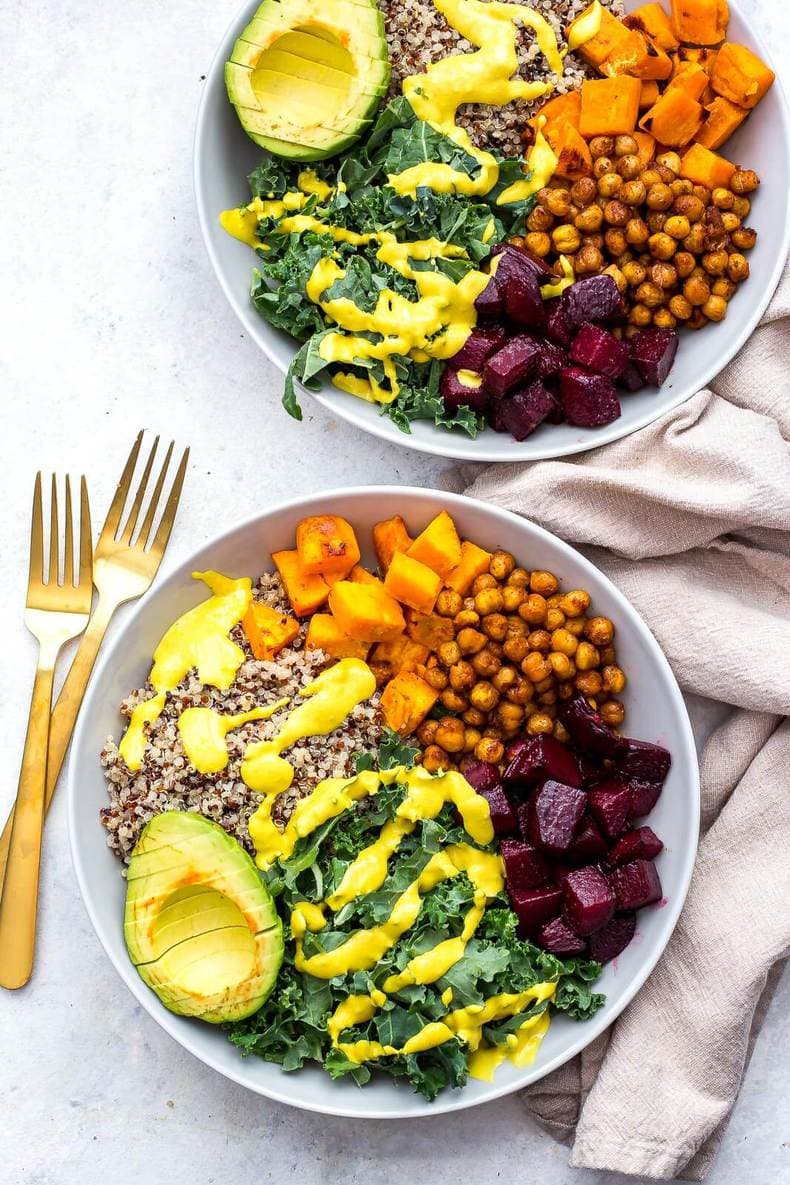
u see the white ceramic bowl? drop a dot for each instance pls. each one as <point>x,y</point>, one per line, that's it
<point>224,156</point>
<point>655,712</point>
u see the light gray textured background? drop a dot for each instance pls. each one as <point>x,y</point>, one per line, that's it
<point>112,320</point>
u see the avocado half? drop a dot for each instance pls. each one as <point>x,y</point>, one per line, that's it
<point>305,76</point>
<point>200,925</point>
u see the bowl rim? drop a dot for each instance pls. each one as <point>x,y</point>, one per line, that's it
<point>184,1034</point>
<point>441,442</point>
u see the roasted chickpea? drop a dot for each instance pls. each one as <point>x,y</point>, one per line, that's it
<point>689,206</point>
<point>538,243</point>
<point>715,263</point>
<point>722,198</point>
<point>635,273</point>
<point>599,631</point>
<point>516,241</point>
<point>474,717</point>
<point>629,167</point>
<point>649,294</point>
<point>583,191</point>
<point>640,315</point>
<point>467,617</point>
<point>449,653</point>
<point>454,701</point>
<point>744,181</point>
<point>518,578</point>
<point>680,308</point>
<point>536,667</point>
<point>520,692</point>
<point>484,696</point>
<point>533,609</point>
<point>505,678</point>
<point>496,649</point>
<point>538,723</point>
<point>696,290</point>
<point>470,641</point>
<point>715,308</point>
<point>495,626</point>
<point>561,665</point>
<point>539,640</point>
<point>625,146</point>
<point>655,221</point>
<point>539,219</point>
<point>564,642</point>
<point>737,268</point>
<point>544,583</point>
<point>702,192</point>
<point>669,160</point>
<point>489,749</point>
<point>684,263</point>
<point>744,238</point>
<point>724,288</point>
<point>662,246</point>
<point>612,713</point>
<point>601,146</point>
<point>471,738</point>
<point>741,206</point>
<point>427,731</point>
<point>435,678</point>
<point>434,759</point>
<point>590,220</point>
<point>633,193</point>
<point>517,628</point>
<point>637,232</point>
<point>512,598</point>
<point>608,656</point>
<point>609,184</point>
<point>678,226</point>
<point>616,213</point>
<point>680,187</point>
<point>588,261</point>
<point>602,166</point>
<point>558,202</point>
<point>587,656</point>
<point>695,239</point>
<point>663,274</point>
<point>588,683</point>
<point>663,319</point>
<point>697,320</point>
<point>461,676</point>
<point>450,734</point>
<point>555,619</point>
<point>566,239</point>
<point>501,565</point>
<point>560,731</point>
<point>613,680</point>
<point>509,717</point>
<point>666,174</point>
<point>593,240</point>
<point>448,603</point>
<point>575,602</point>
<point>659,197</point>
<point>485,580</point>
<point>489,600</point>
<point>650,176</point>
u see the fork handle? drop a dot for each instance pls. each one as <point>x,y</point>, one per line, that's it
<point>20,887</point>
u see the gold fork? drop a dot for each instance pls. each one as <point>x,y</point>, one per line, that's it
<point>54,613</point>
<point>124,566</point>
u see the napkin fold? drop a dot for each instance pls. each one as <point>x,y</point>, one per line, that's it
<point>690,518</point>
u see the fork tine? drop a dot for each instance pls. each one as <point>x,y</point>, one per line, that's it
<point>36,571</point>
<point>122,492</point>
<point>166,525</point>
<point>131,521</point>
<point>68,558</point>
<point>148,522</point>
<point>86,539</point>
<point>54,531</point>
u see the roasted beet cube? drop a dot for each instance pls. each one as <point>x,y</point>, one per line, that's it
<point>610,803</point>
<point>588,843</point>
<point>463,388</point>
<point>588,400</point>
<point>503,817</point>
<point>517,279</point>
<point>553,815</point>
<point>589,900</point>
<point>557,328</point>
<point>640,844</point>
<point>590,732</point>
<point>600,351</point>
<point>539,758</point>
<point>517,258</point>
<point>593,299</point>
<point>653,352</point>
<point>482,775</point>
<point>644,796</point>
<point>496,404</point>
<point>511,366</point>
<point>552,359</point>
<point>644,760</point>
<point>631,380</point>
<point>535,906</point>
<point>612,939</point>
<point>480,344</point>
<point>489,305</point>
<point>525,867</point>
<point>526,409</point>
<point>557,937</point>
<point>636,884</point>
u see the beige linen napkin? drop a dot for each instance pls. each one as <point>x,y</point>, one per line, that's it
<point>690,518</point>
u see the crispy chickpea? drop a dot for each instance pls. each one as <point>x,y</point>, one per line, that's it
<point>539,219</point>
<point>744,181</point>
<point>561,733</point>
<point>609,184</point>
<point>715,308</point>
<point>474,717</point>
<point>663,319</point>
<point>601,146</point>
<point>659,197</point>
<point>637,232</point>
<point>593,240</point>
<point>601,166</point>
<point>435,678</point>
<point>688,205</point>
<point>684,263</point>
<point>678,226</point>
<point>608,656</point>
<point>615,241</point>
<point>564,642</point>
<point>655,221</point>
<point>533,609</point>
<point>488,600</point>
<point>558,202</point>
<point>450,734</point>
<point>680,308</point>
<point>516,649</point>
<point>680,187</point>
<point>715,263</point>
<point>635,274</point>
<point>662,246</point>
<point>536,667</point>
<point>640,315</point>
<point>434,759</point>
<point>633,193</point>
<point>575,602</point>
<point>486,664</point>
<point>566,239</point>
<point>666,174</point>
<point>518,578</point>
<point>663,274</point>
<point>625,145</point>
<point>588,683</point>
<point>629,165</point>
<point>505,678</point>
<point>649,294</point>
<point>744,238</point>
<point>520,692</point>
<point>539,640</point>
<point>697,320</point>
<point>512,598</point>
<point>616,213</point>
<point>467,617</point>
<point>583,191</point>
<point>517,628</point>
<point>669,160</point>
<point>555,619</point>
<point>484,696</point>
<point>472,736</point>
<point>588,261</point>
<point>516,240</point>
<point>696,290</point>
<point>587,656</point>
<point>449,653</point>
<point>724,288</point>
<point>544,583</point>
<point>613,680</point>
<point>575,626</point>
<point>470,641</point>
<point>737,267</point>
<point>454,701</point>
<point>448,603</point>
<point>496,649</point>
<point>695,239</point>
<point>612,713</point>
<point>590,220</point>
<point>427,731</point>
<point>599,631</point>
<point>538,243</point>
<point>461,676</point>
<point>561,665</point>
<point>509,717</point>
<point>501,565</point>
<point>489,749</point>
<point>722,198</point>
<point>650,176</point>
<point>547,700</point>
<point>486,580</point>
<point>538,723</point>
<point>702,192</point>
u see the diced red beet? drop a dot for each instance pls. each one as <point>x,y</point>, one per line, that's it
<point>592,772</point>
<point>535,906</point>
<point>589,900</point>
<point>553,816</point>
<point>612,939</point>
<point>552,359</point>
<point>526,409</point>
<point>512,365</point>
<point>588,843</point>
<point>640,844</point>
<point>636,884</point>
<point>539,758</point>
<point>610,804</point>
<point>556,415</point>
<point>496,404</point>
<point>644,796</point>
<point>557,937</point>
<point>631,380</point>
<point>480,344</point>
<point>524,258</point>
<point>588,400</point>
<point>503,817</point>
<point>456,393</point>
<point>523,301</point>
<point>600,351</point>
<point>590,732</point>
<point>482,775</point>
<point>525,866</point>
<point>593,299</point>
<point>557,328</point>
<point>644,760</point>
<point>489,305</point>
<point>653,352</point>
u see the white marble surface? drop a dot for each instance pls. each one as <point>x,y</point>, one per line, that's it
<point>112,320</point>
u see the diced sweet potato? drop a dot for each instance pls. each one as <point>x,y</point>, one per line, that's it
<point>558,110</point>
<point>412,583</point>
<point>639,58</point>
<point>574,159</point>
<point>653,353</point>
<point>525,866</point>
<point>740,76</point>
<point>700,56</point>
<point>598,350</point>
<point>612,939</point>
<point>593,299</point>
<point>401,654</point>
<point>538,759</point>
<point>722,120</point>
<point>589,900</point>
<point>610,803</point>
<point>430,630</point>
<point>438,546</point>
<point>644,760</point>
<point>701,22</point>
<point>690,78</point>
<point>474,563</point>
<point>636,884</point>
<point>390,536</point>
<point>589,730</point>
<point>588,400</point>
<point>305,593</point>
<point>645,145</point>
<point>588,843</point>
<point>612,35</point>
<point>366,612</point>
<point>480,344</point>
<point>361,575</point>
<point>553,816</point>
<point>675,119</point>
<point>703,167</point>
<point>535,906</point>
<point>268,630</point>
<point>526,409</point>
<point>326,545</point>
<point>406,701</point>
<point>652,20</point>
<point>557,937</point>
<point>610,106</point>
<point>648,95</point>
<point>640,844</point>
<point>323,633</point>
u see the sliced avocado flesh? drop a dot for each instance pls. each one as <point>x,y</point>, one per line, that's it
<point>314,135</point>
<point>302,153</point>
<point>200,925</point>
<point>298,65</point>
<point>280,97</point>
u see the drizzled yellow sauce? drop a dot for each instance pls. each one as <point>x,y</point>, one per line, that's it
<point>204,733</point>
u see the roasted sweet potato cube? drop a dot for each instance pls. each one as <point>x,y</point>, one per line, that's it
<point>652,20</point>
<point>722,120</point>
<point>365,612</point>
<point>740,76</point>
<point>406,701</point>
<point>574,159</point>
<point>610,106</point>
<point>324,633</point>
<point>703,167</point>
<point>430,630</point>
<point>360,575</point>
<point>390,536</point>
<point>648,95</point>
<point>402,654</point>
<point>438,546</point>
<point>474,563</point>
<point>561,109</point>
<point>327,545</point>
<point>645,144</point>
<point>675,119</point>
<point>701,22</point>
<point>412,583</point>
<point>306,593</point>
<point>268,630</point>
<point>612,35</point>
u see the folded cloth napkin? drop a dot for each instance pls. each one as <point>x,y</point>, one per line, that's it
<point>690,518</point>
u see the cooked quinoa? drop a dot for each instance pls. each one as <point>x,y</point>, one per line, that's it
<point>167,782</point>
<point>418,34</point>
